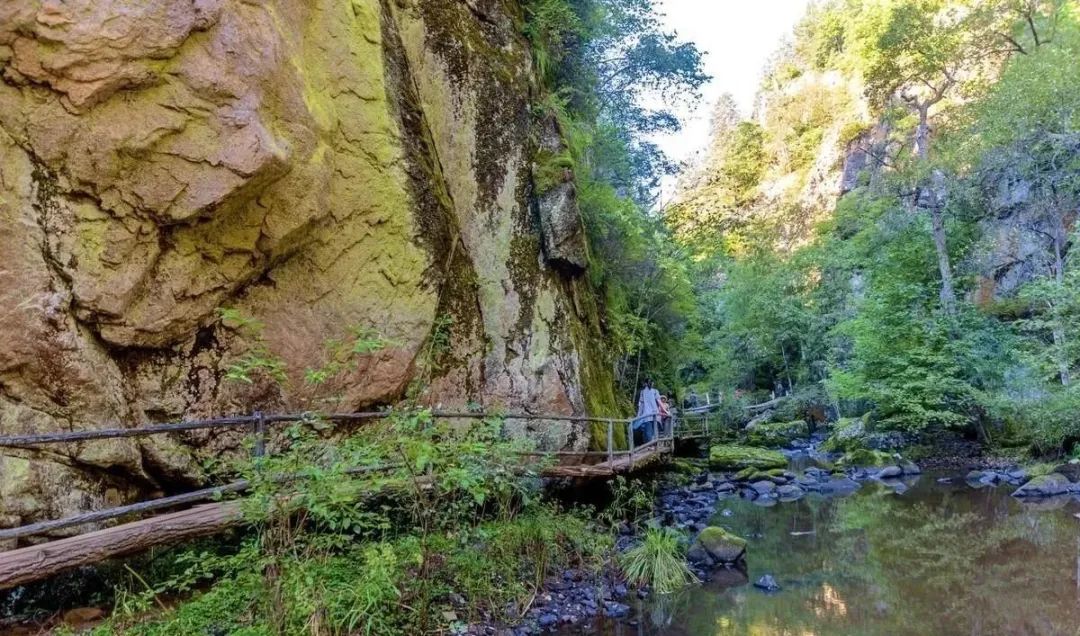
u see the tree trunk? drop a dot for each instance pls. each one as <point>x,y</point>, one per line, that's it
<point>937,217</point>
<point>1060,346</point>
<point>34,563</point>
<point>948,294</point>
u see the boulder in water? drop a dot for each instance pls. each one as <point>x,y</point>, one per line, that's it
<point>909,467</point>
<point>890,472</point>
<point>790,492</point>
<point>767,583</point>
<point>763,487</point>
<point>721,545</point>
<point>1044,486</point>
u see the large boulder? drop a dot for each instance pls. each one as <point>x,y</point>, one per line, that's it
<point>721,545</point>
<point>847,434</point>
<point>1070,470</point>
<point>1045,486</point>
<point>777,434</point>
<point>733,457</point>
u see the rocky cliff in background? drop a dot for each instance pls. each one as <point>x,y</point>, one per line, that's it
<point>314,164</point>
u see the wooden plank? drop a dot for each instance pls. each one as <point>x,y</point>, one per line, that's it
<point>34,563</point>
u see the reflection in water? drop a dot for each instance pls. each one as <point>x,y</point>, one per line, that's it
<point>938,559</point>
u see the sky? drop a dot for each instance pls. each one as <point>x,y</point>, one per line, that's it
<point>738,37</point>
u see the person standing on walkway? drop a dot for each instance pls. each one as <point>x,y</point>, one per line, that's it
<point>648,410</point>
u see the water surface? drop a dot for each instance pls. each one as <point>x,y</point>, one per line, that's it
<point>937,559</point>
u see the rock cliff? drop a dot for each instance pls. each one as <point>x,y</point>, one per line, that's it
<point>314,164</point>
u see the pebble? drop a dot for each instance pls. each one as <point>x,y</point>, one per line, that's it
<point>767,583</point>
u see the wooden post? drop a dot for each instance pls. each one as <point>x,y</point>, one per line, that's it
<point>611,442</point>
<point>260,434</point>
<point>630,438</point>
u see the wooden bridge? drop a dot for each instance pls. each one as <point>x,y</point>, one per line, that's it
<point>173,520</point>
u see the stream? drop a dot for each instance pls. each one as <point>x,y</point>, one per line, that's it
<point>937,558</point>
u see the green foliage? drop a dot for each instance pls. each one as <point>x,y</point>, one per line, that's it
<point>600,61</point>
<point>658,561</point>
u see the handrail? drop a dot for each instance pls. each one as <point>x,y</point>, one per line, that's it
<point>19,441</point>
<point>258,423</point>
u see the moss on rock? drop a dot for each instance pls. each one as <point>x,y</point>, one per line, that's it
<point>865,457</point>
<point>732,457</point>
<point>847,435</point>
<point>777,434</point>
<point>721,545</point>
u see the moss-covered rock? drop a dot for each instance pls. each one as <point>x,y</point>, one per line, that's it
<point>721,545</point>
<point>866,458</point>
<point>685,466</point>
<point>847,434</point>
<point>732,457</point>
<point>778,434</point>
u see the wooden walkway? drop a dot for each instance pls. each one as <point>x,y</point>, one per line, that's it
<point>187,515</point>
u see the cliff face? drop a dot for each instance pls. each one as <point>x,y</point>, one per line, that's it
<point>314,164</point>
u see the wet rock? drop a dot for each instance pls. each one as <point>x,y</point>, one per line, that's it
<point>729,577</point>
<point>1044,486</point>
<point>721,545</point>
<point>789,492</point>
<point>841,486</point>
<point>763,487</point>
<point>890,472</point>
<point>767,583</point>
<point>910,467</point>
<point>1017,475</point>
<point>547,620</point>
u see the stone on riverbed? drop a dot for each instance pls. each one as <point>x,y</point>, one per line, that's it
<point>789,492</point>
<point>763,487</point>
<point>1044,486</point>
<point>890,472</point>
<point>732,457</point>
<point>767,583</point>
<point>719,544</point>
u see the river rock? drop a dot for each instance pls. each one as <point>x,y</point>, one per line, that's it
<point>1044,486</point>
<point>721,545</point>
<point>732,457</point>
<point>789,492</point>
<point>890,472</point>
<point>841,486</point>
<point>910,467</point>
<point>767,583</point>
<point>763,487</point>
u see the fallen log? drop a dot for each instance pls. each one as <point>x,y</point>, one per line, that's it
<point>34,563</point>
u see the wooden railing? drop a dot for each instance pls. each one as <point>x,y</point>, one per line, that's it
<point>22,565</point>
